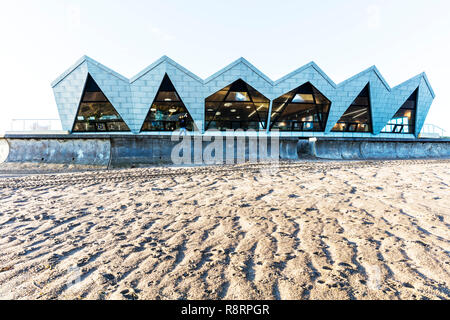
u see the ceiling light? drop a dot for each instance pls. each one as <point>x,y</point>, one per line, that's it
<point>153,109</point>
<point>172,110</point>
<point>228,104</point>
<point>218,113</point>
<point>167,99</point>
<point>233,110</point>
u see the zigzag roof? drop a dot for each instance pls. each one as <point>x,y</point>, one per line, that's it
<point>164,58</point>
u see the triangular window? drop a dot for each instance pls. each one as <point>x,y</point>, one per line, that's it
<point>167,110</point>
<point>357,118</point>
<point>302,109</point>
<point>237,106</point>
<point>405,118</point>
<point>96,113</point>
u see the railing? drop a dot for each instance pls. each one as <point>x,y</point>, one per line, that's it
<point>35,125</point>
<point>432,131</point>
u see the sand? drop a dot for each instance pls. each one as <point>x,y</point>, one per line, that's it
<point>305,230</point>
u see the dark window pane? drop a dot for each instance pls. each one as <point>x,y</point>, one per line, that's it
<point>167,96</point>
<point>238,96</point>
<point>96,113</point>
<point>94,97</point>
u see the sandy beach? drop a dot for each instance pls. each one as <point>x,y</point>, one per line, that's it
<point>302,230</point>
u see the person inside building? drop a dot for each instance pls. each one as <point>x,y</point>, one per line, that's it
<point>182,122</point>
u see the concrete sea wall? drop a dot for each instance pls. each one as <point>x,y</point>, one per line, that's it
<point>374,149</point>
<point>74,151</point>
<point>129,150</point>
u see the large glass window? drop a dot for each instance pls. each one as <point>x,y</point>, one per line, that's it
<point>96,113</point>
<point>357,117</point>
<point>405,118</point>
<point>302,109</point>
<point>237,106</point>
<point>166,110</point>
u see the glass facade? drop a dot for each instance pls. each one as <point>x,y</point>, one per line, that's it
<point>302,109</point>
<point>405,118</point>
<point>357,118</point>
<point>96,113</point>
<point>237,106</point>
<point>166,110</point>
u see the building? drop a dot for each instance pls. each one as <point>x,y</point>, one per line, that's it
<point>92,98</point>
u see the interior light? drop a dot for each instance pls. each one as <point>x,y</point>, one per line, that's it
<point>233,110</point>
<point>240,96</point>
<point>248,107</point>
<point>228,104</point>
<point>167,99</point>
<point>359,115</point>
<point>153,109</point>
<point>218,113</point>
<point>172,110</point>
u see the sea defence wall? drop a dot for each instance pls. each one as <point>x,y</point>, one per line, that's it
<point>129,150</point>
<point>47,150</point>
<point>361,149</point>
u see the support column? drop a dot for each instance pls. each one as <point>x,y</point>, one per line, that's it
<point>269,117</point>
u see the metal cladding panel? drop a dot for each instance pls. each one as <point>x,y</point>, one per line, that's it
<point>424,101</point>
<point>68,93</point>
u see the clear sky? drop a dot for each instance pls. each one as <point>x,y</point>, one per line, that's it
<point>41,39</point>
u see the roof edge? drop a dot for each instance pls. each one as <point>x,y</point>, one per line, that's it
<point>105,68</point>
<point>79,62</point>
<point>236,62</point>
<point>149,68</point>
<point>311,64</point>
<point>364,72</point>
<point>68,71</point>
<point>418,77</point>
<point>165,58</point>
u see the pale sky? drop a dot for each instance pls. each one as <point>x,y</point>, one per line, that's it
<point>41,39</point>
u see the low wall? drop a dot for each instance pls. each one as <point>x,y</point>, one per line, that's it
<point>366,149</point>
<point>74,151</point>
<point>161,149</point>
<point>128,150</point>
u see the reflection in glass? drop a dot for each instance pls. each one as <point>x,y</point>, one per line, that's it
<point>166,110</point>
<point>404,120</point>
<point>96,113</point>
<point>357,117</point>
<point>302,109</point>
<point>237,106</point>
